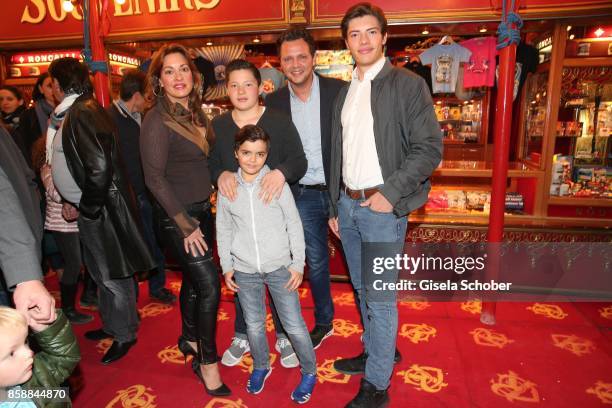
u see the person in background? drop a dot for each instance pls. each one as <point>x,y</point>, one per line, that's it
<point>126,112</point>
<point>174,146</point>
<point>60,220</point>
<point>308,98</point>
<point>288,164</point>
<point>275,260</point>
<point>34,121</point>
<point>11,108</point>
<point>21,369</point>
<point>386,143</point>
<point>86,170</point>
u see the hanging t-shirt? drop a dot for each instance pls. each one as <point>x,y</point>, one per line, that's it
<point>527,59</point>
<point>420,70</point>
<point>444,60</point>
<point>480,69</point>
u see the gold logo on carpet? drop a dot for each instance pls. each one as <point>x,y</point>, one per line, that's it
<point>549,311</point>
<point>490,338</point>
<point>602,390</point>
<point>606,312</point>
<point>172,354</point>
<point>415,305</point>
<point>514,388</point>
<point>303,292</point>
<point>103,345</point>
<point>246,365</point>
<point>154,309</point>
<point>575,344</point>
<point>226,292</point>
<point>222,315</point>
<point>327,373</point>
<point>345,299</point>
<point>225,403</point>
<point>424,378</point>
<point>417,333</point>
<point>176,285</point>
<point>269,323</point>
<point>472,306</point>
<point>345,328</point>
<point>136,396</point>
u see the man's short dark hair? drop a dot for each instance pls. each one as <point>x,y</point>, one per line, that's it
<point>250,133</point>
<point>72,75</point>
<point>294,34</point>
<point>133,81</point>
<point>237,65</point>
<point>360,10</point>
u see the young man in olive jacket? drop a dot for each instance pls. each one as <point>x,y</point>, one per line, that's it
<point>87,173</point>
<point>308,98</point>
<point>386,143</point>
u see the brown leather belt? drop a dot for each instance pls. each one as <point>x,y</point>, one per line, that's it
<point>359,194</point>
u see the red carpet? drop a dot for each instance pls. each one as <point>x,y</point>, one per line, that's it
<point>537,355</point>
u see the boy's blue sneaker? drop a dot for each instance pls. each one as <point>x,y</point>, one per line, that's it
<point>257,380</point>
<point>302,393</point>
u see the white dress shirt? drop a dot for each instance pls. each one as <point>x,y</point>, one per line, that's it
<point>360,166</point>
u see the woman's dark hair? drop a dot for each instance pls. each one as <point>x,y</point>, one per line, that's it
<point>14,90</point>
<point>36,94</point>
<point>72,76</point>
<point>250,133</point>
<point>239,64</point>
<point>360,10</point>
<point>294,34</point>
<point>154,90</point>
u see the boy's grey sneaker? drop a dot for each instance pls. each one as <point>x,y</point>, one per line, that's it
<point>320,333</point>
<point>233,355</point>
<point>288,357</point>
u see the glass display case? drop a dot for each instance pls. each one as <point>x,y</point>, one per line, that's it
<point>535,118</point>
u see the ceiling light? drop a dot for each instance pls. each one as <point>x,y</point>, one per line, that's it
<point>425,31</point>
<point>67,6</point>
<point>483,29</point>
<point>256,40</point>
<point>209,43</point>
<point>569,27</point>
<point>572,36</point>
<point>599,32</point>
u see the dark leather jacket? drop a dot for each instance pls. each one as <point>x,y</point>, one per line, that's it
<point>107,207</point>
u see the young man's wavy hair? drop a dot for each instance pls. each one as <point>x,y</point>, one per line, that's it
<point>361,10</point>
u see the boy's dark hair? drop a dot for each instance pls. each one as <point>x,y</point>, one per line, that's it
<point>294,34</point>
<point>360,10</point>
<point>72,75</point>
<point>133,81</point>
<point>250,133</point>
<point>238,64</point>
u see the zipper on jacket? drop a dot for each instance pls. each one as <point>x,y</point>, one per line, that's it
<point>254,232</point>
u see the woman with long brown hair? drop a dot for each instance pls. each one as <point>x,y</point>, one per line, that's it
<point>174,144</point>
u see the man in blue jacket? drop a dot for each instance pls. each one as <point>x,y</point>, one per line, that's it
<point>386,143</point>
<point>308,98</point>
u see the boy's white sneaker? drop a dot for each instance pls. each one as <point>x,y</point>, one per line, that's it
<point>288,357</point>
<point>233,355</point>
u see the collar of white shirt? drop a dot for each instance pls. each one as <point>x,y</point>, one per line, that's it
<point>371,73</point>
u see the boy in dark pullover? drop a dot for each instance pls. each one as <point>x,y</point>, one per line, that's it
<point>263,245</point>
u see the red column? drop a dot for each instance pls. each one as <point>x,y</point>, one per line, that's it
<point>501,148</point>
<point>101,84</point>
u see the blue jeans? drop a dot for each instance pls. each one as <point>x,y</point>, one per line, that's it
<point>313,206</point>
<point>360,224</point>
<point>158,280</point>
<point>252,295</point>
